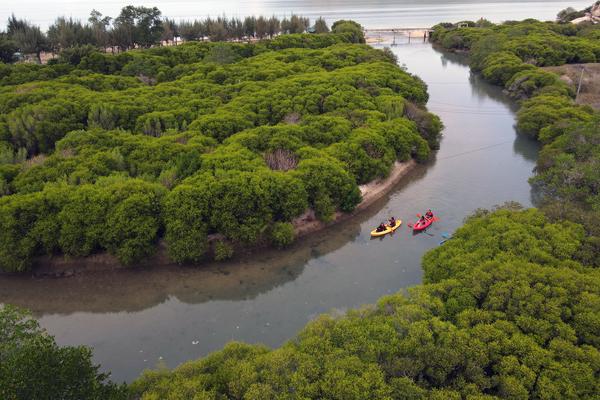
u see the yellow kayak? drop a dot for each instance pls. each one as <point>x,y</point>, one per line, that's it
<point>389,229</point>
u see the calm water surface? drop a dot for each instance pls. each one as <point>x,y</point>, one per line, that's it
<point>372,14</point>
<point>137,319</point>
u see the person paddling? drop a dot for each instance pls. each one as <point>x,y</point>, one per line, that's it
<point>429,214</point>
<point>381,227</point>
<point>392,222</point>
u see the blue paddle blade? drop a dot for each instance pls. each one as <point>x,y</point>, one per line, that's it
<point>445,235</point>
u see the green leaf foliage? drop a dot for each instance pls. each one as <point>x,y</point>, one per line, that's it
<point>223,251</point>
<point>531,238</point>
<point>282,234</point>
<point>34,367</point>
<point>181,143</point>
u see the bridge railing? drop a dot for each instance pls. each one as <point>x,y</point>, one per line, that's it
<point>409,32</point>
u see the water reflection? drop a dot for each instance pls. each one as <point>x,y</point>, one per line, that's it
<point>454,58</point>
<point>239,279</point>
<point>526,147</point>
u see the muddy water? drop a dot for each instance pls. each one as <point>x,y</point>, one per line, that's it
<point>137,319</point>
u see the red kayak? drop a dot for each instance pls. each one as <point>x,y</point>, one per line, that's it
<point>422,224</point>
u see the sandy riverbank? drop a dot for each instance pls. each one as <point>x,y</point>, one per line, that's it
<point>62,266</point>
<point>371,192</point>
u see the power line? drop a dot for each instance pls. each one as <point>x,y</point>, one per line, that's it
<point>579,85</point>
<point>476,150</point>
<point>440,110</point>
<point>463,106</point>
<point>469,111</point>
<point>462,82</point>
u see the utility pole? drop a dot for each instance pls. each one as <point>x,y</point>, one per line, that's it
<point>579,84</point>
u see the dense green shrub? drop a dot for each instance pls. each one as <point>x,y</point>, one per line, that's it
<point>403,136</point>
<point>532,41</point>
<point>532,82</point>
<point>567,165</point>
<point>74,55</point>
<point>328,184</point>
<point>367,154</point>
<point>429,125</point>
<point>34,367</point>
<point>29,226</point>
<point>212,138</point>
<point>221,126</point>
<point>542,111</point>
<point>282,234</point>
<point>457,39</point>
<point>531,236</point>
<point>311,41</point>
<point>37,127</point>
<point>186,215</point>
<point>158,123</point>
<point>132,226</point>
<point>223,251</point>
<point>353,30</point>
<point>120,215</point>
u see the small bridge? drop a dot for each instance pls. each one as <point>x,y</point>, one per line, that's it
<point>412,33</point>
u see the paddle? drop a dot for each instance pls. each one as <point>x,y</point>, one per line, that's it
<point>410,225</point>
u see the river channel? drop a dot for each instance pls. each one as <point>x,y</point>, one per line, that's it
<point>138,319</point>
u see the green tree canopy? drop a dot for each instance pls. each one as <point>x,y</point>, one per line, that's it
<point>248,136</point>
<point>34,367</point>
